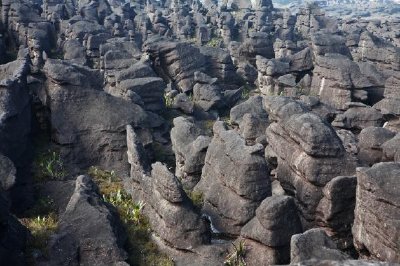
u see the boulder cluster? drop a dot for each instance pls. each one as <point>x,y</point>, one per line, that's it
<point>233,122</point>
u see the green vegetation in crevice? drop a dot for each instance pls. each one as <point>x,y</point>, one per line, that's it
<point>245,92</point>
<point>196,197</point>
<point>214,42</point>
<point>208,125</point>
<point>48,166</point>
<point>237,256</point>
<point>168,100</point>
<point>141,249</point>
<point>42,221</point>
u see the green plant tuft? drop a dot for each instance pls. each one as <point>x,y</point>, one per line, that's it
<point>168,100</point>
<point>214,42</point>
<point>141,249</point>
<point>48,166</point>
<point>196,197</point>
<point>236,257</point>
<point>245,93</point>
<point>41,228</point>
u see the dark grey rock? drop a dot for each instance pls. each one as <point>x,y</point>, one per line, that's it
<point>314,244</point>
<point>89,231</point>
<point>234,180</point>
<point>377,212</point>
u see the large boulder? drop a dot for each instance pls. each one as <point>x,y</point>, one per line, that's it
<point>358,117</point>
<point>370,141</point>
<point>275,222</point>
<point>176,60</point>
<point>377,212</point>
<point>171,213</point>
<point>190,143</point>
<point>15,125</point>
<point>314,244</point>
<point>89,230</point>
<point>307,151</point>
<point>74,96</point>
<point>234,180</point>
<point>335,79</point>
<point>335,211</point>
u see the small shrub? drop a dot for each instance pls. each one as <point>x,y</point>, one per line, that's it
<point>49,166</point>
<point>236,258</point>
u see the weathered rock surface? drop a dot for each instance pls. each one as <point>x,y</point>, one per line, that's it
<point>335,211</point>
<point>358,117</point>
<point>308,151</point>
<point>314,244</point>
<point>14,235</point>
<point>234,180</point>
<point>89,230</point>
<point>335,78</point>
<point>275,222</point>
<point>176,61</point>
<point>370,141</point>
<point>75,100</point>
<point>190,144</point>
<point>377,212</point>
<point>171,214</point>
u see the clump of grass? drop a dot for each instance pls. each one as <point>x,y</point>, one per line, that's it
<point>48,166</point>
<point>214,42</point>
<point>236,257</point>
<point>196,197</point>
<point>168,100</point>
<point>141,250</point>
<point>41,228</point>
<point>245,93</point>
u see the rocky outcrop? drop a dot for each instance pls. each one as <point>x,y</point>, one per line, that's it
<point>335,211</point>
<point>275,222</point>
<point>15,109</point>
<point>234,180</point>
<point>190,144</point>
<point>386,56</point>
<point>370,141</point>
<point>218,63</point>
<point>171,213</point>
<point>389,106</point>
<point>251,118</point>
<point>15,125</point>
<point>314,244</point>
<point>308,151</point>
<point>357,117</point>
<point>377,211</point>
<point>74,96</point>
<point>14,234</point>
<point>175,61</point>
<point>336,78</point>
<point>89,230</point>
